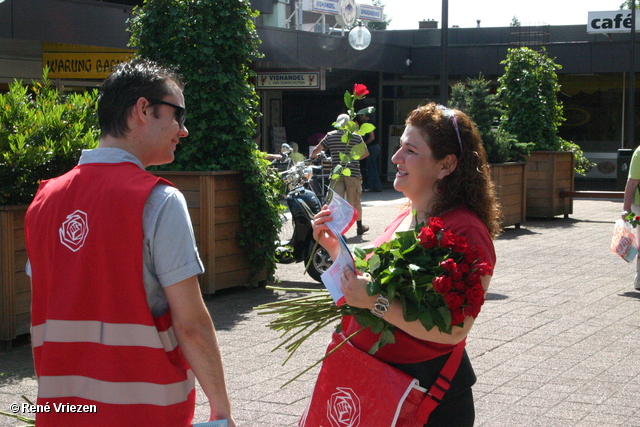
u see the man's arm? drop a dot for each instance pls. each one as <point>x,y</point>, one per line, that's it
<point>371,136</point>
<point>629,193</point>
<point>196,336</point>
<point>316,150</point>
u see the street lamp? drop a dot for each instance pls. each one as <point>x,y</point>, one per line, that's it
<point>359,37</point>
<point>444,51</point>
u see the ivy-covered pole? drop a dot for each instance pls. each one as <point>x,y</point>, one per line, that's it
<point>212,43</point>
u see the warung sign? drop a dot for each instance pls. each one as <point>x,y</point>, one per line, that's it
<point>617,21</point>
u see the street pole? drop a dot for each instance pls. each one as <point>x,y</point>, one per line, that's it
<point>444,50</point>
<point>631,131</point>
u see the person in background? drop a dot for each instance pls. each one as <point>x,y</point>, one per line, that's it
<point>632,203</point>
<point>371,175</point>
<point>118,320</point>
<point>443,171</point>
<point>348,187</point>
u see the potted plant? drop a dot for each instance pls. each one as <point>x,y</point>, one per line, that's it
<point>212,43</point>
<point>42,133</point>
<point>506,155</point>
<point>528,91</point>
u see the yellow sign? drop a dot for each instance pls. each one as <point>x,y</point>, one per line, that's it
<point>82,62</point>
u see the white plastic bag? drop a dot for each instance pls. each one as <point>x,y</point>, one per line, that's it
<point>624,241</point>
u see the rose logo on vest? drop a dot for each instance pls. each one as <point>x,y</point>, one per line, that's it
<point>74,230</point>
<point>343,408</point>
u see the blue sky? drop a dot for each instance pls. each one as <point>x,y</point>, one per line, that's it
<point>405,14</point>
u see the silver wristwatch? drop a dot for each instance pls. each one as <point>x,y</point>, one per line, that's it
<point>380,307</point>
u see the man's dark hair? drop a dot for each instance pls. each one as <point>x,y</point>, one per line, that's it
<point>130,81</point>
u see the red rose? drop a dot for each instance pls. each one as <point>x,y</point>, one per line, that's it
<point>463,267</point>
<point>460,286</point>
<point>475,296</point>
<point>360,91</point>
<point>470,255</point>
<point>460,244</point>
<point>448,264</point>
<point>454,300</point>
<point>484,268</point>
<point>472,311</point>
<point>427,238</point>
<point>442,284</point>
<point>448,239</point>
<point>457,275</point>
<point>457,317</point>
<point>436,224</point>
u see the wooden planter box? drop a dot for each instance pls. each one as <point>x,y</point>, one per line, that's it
<point>213,199</point>
<point>15,287</point>
<point>510,183</point>
<point>548,174</point>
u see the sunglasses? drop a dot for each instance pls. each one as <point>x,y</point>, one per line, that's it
<point>448,112</point>
<point>180,112</point>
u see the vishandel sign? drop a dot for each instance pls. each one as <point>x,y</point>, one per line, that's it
<point>617,21</point>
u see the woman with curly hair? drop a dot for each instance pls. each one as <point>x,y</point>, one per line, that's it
<point>443,171</point>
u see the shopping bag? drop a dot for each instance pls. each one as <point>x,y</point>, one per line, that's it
<point>354,389</point>
<point>624,241</point>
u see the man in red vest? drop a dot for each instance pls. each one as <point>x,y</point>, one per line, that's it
<point>119,327</point>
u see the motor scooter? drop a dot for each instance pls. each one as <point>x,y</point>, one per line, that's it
<point>296,243</point>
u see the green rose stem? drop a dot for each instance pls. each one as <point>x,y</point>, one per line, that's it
<point>31,422</point>
<point>305,315</point>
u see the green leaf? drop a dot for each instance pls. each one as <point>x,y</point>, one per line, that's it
<point>426,320</point>
<point>373,288</point>
<point>346,172</point>
<point>348,100</point>
<point>367,111</point>
<point>365,128</point>
<point>358,151</point>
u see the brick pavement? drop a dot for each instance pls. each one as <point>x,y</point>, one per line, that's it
<point>555,344</point>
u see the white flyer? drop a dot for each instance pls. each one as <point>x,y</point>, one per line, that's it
<point>342,213</point>
<point>331,277</point>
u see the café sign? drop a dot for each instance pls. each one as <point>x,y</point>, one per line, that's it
<point>617,21</point>
<point>291,80</point>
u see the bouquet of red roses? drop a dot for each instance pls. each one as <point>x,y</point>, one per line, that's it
<point>434,273</point>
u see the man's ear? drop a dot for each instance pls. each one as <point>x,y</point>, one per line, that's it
<point>448,165</point>
<point>140,111</point>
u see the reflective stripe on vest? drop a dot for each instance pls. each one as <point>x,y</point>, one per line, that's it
<point>119,393</point>
<point>121,334</point>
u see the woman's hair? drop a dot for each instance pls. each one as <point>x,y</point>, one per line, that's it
<point>470,184</point>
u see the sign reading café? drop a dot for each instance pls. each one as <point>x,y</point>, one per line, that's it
<point>617,21</point>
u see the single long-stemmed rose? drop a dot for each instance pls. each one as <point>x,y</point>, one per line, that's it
<point>348,129</point>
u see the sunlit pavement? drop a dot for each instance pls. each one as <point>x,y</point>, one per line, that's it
<point>555,344</point>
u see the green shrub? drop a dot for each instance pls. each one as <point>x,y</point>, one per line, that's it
<point>474,97</point>
<point>212,43</point>
<point>42,133</point>
<point>533,113</point>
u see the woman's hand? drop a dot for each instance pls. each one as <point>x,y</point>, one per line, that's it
<point>354,288</point>
<point>322,234</point>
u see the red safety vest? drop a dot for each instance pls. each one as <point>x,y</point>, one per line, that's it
<point>97,348</point>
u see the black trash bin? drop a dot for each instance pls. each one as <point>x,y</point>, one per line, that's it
<point>624,160</point>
